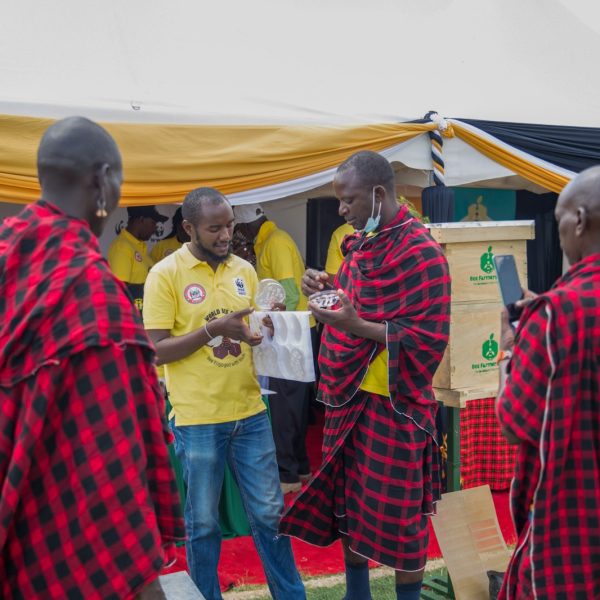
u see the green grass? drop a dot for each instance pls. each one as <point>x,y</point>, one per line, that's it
<point>382,588</point>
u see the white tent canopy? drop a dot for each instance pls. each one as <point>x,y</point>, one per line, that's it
<point>314,63</point>
<point>301,61</point>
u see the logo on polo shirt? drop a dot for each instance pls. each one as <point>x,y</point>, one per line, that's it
<point>138,256</point>
<point>240,286</point>
<point>194,293</point>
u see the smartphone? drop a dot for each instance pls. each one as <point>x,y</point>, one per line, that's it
<point>510,286</point>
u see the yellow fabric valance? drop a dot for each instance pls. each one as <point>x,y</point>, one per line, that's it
<point>164,162</point>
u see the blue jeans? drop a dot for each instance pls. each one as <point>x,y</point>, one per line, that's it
<point>248,448</point>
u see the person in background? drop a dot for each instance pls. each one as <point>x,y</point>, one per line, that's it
<point>243,248</point>
<point>278,257</point>
<point>89,507</point>
<point>549,404</point>
<point>171,242</point>
<point>128,254</point>
<point>379,479</point>
<point>335,258</point>
<point>197,301</point>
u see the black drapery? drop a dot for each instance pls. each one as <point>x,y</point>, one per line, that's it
<point>572,148</point>
<point>544,255</point>
<point>438,204</point>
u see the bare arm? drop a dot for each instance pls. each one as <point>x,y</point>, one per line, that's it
<point>173,348</point>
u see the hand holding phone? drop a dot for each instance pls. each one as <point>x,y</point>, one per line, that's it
<point>510,286</point>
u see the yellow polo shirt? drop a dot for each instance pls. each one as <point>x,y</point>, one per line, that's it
<point>278,257</point>
<point>163,248</point>
<point>335,258</point>
<point>217,383</point>
<point>128,258</point>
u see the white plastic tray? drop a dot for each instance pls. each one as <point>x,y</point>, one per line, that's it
<point>288,354</point>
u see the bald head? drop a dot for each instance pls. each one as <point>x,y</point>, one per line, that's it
<point>72,149</point>
<point>371,169</point>
<point>80,171</point>
<point>578,215</point>
<point>584,189</point>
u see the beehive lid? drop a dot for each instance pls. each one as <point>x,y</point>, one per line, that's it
<point>481,231</point>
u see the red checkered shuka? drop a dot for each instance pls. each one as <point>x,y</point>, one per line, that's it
<point>380,473</point>
<point>551,403</point>
<point>486,458</point>
<point>400,277</point>
<point>89,507</point>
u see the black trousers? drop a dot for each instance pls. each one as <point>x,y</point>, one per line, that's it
<point>289,419</point>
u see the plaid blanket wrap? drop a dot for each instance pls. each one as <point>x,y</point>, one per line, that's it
<point>88,505</point>
<point>380,473</point>
<point>551,403</point>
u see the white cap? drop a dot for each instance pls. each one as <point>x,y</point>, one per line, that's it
<point>248,213</point>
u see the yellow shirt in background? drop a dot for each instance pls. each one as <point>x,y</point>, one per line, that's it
<point>163,248</point>
<point>128,258</point>
<point>335,258</point>
<point>278,257</point>
<point>217,383</point>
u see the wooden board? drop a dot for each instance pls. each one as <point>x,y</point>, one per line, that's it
<point>459,398</point>
<point>472,269</point>
<point>467,530</point>
<point>470,358</point>
<point>481,231</point>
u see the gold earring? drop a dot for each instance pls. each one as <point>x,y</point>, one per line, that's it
<point>101,212</point>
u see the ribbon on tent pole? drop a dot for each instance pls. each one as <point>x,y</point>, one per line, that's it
<point>438,200</point>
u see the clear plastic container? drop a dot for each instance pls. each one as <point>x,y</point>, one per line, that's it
<point>269,292</point>
<point>325,298</point>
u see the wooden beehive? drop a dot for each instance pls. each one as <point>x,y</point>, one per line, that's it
<point>469,366</point>
<point>470,359</point>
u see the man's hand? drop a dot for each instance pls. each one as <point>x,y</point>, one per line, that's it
<point>314,281</point>
<point>345,317</point>
<point>507,331</point>
<point>526,300</point>
<point>235,327</point>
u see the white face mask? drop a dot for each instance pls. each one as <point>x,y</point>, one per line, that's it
<point>372,221</point>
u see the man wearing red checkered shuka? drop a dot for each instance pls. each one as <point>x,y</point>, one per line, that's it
<point>381,346</point>
<point>549,404</point>
<point>89,508</point>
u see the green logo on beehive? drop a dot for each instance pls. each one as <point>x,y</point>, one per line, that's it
<point>489,350</point>
<point>487,261</point>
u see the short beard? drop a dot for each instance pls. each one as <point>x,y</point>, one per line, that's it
<point>212,257</point>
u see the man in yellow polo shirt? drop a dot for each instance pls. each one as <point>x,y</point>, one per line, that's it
<point>196,301</point>
<point>278,257</point>
<point>128,254</point>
